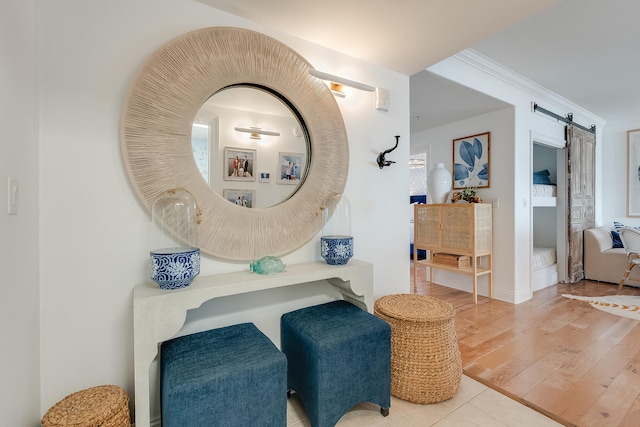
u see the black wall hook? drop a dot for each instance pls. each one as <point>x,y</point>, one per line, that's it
<point>382,162</point>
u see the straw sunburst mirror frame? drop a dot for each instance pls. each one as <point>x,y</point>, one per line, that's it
<point>156,125</point>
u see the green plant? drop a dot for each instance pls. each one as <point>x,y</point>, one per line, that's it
<point>468,194</point>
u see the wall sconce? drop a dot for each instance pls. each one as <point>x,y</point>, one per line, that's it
<point>255,132</point>
<point>336,82</point>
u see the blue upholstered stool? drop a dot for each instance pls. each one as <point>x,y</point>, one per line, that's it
<point>232,376</point>
<point>339,355</point>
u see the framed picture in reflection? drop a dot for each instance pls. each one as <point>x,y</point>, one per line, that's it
<point>290,167</point>
<point>239,164</point>
<point>240,198</point>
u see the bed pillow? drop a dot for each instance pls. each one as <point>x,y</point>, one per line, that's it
<point>617,242</point>
<point>541,177</point>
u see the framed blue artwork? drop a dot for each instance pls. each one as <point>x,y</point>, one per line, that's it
<point>471,161</point>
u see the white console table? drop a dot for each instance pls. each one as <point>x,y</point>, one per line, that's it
<point>159,314</point>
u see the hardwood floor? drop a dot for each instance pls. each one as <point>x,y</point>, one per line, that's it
<point>574,363</point>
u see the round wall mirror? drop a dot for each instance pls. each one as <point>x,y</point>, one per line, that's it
<point>157,132</point>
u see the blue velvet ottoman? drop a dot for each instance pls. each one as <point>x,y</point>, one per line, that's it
<point>339,355</point>
<point>231,376</point>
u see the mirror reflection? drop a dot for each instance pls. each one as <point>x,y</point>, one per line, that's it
<point>250,147</point>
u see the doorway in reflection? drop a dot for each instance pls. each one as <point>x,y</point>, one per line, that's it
<point>201,146</point>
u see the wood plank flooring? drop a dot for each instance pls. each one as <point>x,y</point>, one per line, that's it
<point>562,357</point>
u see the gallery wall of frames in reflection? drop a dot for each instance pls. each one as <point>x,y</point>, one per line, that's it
<point>249,172</point>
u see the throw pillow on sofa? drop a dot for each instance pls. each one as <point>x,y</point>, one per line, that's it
<point>615,234</point>
<point>617,242</point>
<point>618,225</point>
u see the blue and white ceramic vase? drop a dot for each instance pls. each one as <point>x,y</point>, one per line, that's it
<point>336,243</point>
<point>175,270</point>
<point>175,257</point>
<point>336,250</point>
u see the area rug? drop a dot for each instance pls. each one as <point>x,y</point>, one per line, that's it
<point>621,305</point>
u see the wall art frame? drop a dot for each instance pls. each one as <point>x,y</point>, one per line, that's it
<point>290,167</point>
<point>239,164</point>
<point>472,161</point>
<point>241,198</point>
<point>633,173</point>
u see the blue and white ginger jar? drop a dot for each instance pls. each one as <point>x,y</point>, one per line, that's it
<point>175,270</point>
<point>336,250</point>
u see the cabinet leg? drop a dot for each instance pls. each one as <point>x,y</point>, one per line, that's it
<point>475,288</point>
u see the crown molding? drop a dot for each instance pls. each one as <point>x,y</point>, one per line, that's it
<point>539,93</point>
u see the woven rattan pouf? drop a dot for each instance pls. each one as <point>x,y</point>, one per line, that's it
<point>426,366</point>
<point>104,406</point>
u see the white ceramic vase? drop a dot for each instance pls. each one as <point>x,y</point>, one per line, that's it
<point>439,183</point>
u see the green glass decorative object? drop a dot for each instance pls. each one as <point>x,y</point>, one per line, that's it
<point>267,265</point>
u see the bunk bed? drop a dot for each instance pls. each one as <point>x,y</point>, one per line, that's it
<point>543,191</point>
<point>544,266</point>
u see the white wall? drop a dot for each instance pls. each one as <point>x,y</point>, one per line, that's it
<point>19,303</point>
<point>439,142</point>
<point>614,173</point>
<point>94,231</point>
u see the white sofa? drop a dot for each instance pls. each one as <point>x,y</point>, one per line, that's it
<point>602,262</point>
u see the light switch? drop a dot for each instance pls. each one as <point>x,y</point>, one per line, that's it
<point>12,196</point>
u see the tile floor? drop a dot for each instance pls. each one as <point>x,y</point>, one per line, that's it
<point>474,405</point>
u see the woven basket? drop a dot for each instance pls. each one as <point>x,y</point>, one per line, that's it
<point>452,260</point>
<point>101,406</point>
<point>426,366</point>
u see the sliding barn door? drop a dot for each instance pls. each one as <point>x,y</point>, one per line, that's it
<point>581,148</point>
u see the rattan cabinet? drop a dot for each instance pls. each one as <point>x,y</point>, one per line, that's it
<point>458,229</point>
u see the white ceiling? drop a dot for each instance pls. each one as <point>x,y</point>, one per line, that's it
<point>403,35</point>
<point>436,101</point>
<point>587,51</point>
